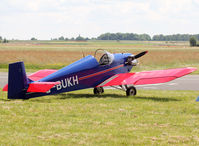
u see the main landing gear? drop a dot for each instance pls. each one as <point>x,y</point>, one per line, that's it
<point>130,91</point>
<point>98,90</point>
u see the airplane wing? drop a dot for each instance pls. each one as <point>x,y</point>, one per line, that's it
<point>147,77</point>
<point>41,74</point>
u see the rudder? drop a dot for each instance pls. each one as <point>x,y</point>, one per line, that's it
<point>17,81</point>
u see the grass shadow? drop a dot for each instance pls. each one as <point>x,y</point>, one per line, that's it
<point>64,96</point>
<point>1,99</point>
<point>86,95</point>
<point>160,99</point>
<point>71,95</point>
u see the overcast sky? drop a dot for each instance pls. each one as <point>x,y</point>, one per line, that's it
<point>45,19</point>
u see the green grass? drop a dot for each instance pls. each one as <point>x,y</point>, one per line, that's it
<point>81,118</point>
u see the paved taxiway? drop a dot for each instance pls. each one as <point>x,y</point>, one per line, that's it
<point>189,82</point>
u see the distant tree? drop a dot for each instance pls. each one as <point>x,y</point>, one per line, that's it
<point>5,40</point>
<point>93,38</point>
<point>80,38</point>
<point>66,39</point>
<point>144,37</point>
<point>87,39</point>
<point>192,41</point>
<point>61,38</point>
<point>72,39</point>
<point>0,38</point>
<point>33,39</point>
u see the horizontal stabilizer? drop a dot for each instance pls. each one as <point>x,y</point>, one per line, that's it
<point>41,86</point>
<point>5,88</point>
<point>41,74</point>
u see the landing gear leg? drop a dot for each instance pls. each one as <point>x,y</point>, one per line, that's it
<point>98,90</point>
<point>131,91</point>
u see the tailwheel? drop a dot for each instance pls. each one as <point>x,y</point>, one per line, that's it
<point>98,90</point>
<point>131,91</point>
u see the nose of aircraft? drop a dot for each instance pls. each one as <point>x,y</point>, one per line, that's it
<point>132,60</point>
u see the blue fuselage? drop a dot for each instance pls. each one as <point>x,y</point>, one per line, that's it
<point>84,73</point>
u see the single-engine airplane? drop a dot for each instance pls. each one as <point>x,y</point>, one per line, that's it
<point>88,72</point>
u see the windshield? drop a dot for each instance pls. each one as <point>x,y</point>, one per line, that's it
<point>104,57</point>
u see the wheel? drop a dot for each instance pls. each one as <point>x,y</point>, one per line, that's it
<point>131,91</point>
<point>98,90</point>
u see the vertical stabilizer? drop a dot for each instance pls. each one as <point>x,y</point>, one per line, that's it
<point>17,81</point>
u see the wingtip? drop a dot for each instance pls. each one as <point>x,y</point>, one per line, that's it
<point>192,69</point>
<point>5,88</point>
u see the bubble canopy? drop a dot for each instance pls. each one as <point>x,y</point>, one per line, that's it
<point>104,57</point>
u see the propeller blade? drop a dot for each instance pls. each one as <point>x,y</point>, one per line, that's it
<point>140,54</point>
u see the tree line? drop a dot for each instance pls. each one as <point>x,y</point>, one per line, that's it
<point>126,36</point>
<point>79,38</point>
<point>134,37</point>
<point>174,37</point>
<point>146,37</point>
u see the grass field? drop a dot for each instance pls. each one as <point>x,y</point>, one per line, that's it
<point>57,54</point>
<point>81,118</point>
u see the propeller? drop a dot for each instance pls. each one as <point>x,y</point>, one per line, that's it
<point>131,60</point>
<point>140,54</point>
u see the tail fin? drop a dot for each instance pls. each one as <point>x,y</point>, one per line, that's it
<point>17,81</point>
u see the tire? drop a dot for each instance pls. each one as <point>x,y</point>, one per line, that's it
<point>98,90</point>
<point>131,91</point>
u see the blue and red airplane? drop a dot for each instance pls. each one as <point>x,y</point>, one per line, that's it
<point>88,72</point>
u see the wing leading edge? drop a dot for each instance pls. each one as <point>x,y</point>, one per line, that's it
<point>147,77</point>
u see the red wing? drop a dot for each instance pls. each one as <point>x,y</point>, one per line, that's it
<point>41,74</point>
<point>147,77</point>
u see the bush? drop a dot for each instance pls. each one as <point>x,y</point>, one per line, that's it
<point>192,41</point>
<point>33,39</point>
<point>5,40</point>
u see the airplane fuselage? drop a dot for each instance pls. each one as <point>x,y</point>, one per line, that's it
<point>84,73</point>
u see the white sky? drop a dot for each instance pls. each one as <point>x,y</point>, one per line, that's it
<point>45,19</point>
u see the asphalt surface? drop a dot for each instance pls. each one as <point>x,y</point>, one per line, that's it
<point>3,79</point>
<point>189,82</point>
